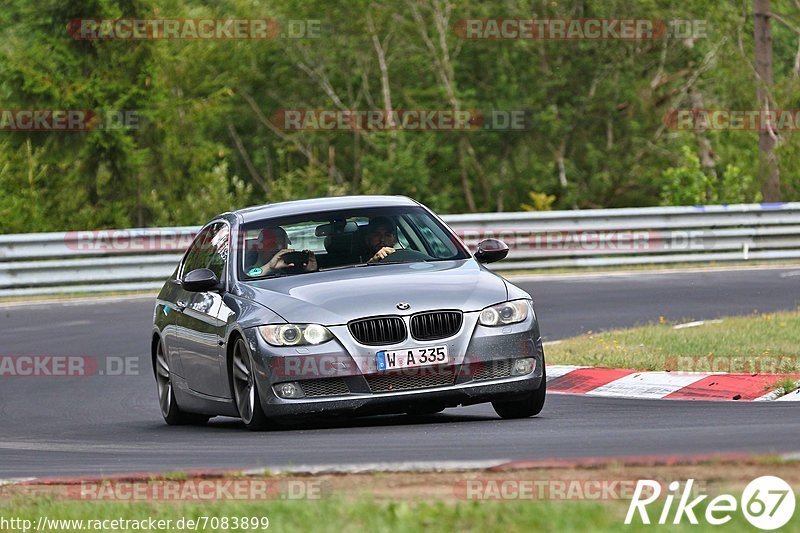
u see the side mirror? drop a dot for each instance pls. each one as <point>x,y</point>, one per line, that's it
<point>491,250</point>
<point>200,280</point>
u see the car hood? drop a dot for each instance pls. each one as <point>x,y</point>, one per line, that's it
<point>335,297</point>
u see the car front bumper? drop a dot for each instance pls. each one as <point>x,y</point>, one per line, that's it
<point>346,381</point>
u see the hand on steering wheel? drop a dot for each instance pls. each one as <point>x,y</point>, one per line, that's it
<point>383,253</point>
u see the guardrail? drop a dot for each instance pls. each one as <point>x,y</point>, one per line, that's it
<point>139,259</point>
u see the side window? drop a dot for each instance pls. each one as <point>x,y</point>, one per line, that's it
<point>402,238</point>
<point>435,239</point>
<point>197,256</point>
<point>209,250</point>
<point>220,246</point>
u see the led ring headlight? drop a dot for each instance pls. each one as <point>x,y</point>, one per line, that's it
<point>295,334</point>
<point>504,313</point>
<point>289,335</point>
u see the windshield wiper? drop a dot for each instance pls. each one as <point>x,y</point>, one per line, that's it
<point>343,267</point>
<point>276,275</point>
<point>389,263</point>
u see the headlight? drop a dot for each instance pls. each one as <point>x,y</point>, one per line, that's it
<point>504,313</point>
<point>295,334</point>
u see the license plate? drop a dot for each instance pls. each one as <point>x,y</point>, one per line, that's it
<point>411,357</point>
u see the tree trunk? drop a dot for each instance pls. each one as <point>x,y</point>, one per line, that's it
<point>708,159</point>
<point>768,161</point>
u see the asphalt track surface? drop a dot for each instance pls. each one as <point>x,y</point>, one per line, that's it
<point>111,424</point>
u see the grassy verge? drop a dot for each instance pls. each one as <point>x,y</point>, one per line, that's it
<point>336,516</point>
<point>428,502</point>
<point>757,343</point>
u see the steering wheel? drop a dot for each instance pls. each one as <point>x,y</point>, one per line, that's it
<point>405,254</point>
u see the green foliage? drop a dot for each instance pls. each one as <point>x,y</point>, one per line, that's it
<point>218,192</point>
<point>540,201</point>
<point>594,136</point>
<point>688,184</point>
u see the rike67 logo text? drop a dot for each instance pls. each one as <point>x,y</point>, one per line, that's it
<point>767,502</point>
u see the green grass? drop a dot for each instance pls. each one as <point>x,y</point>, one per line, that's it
<point>757,343</point>
<point>786,385</point>
<point>335,515</point>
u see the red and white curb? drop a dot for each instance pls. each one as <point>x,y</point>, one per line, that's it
<point>623,383</point>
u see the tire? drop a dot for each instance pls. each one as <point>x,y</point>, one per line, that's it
<point>529,405</point>
<point>172,413</point>
<point>245,390</point>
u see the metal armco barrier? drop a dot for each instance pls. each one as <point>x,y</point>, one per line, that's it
<point>141,259</point>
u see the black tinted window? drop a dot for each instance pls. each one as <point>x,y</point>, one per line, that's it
<point>347,238</point>
<point>209,250</point>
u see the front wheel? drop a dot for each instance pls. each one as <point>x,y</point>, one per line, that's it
<point>529,405</point>
<point>245,391</point>
<point>166,396</point>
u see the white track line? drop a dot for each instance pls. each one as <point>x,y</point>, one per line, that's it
<point>647,385</point>
<point>793,396</point>
<point>419,466</point>
<point>696,324</point>
<point>14,481</point>
<point>556,371</point>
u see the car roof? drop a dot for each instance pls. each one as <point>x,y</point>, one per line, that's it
<point>316,205</point>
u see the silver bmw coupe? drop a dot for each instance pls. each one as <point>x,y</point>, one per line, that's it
<point>350,305</point>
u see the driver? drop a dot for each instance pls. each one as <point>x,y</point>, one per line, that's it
<point>380,238</point>
<point>272,245</point>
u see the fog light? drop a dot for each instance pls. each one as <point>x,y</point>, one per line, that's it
<point>523,366</point>
<point>289,390</point>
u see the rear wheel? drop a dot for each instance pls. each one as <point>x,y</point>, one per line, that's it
<point>529,405</point>
<point>166,396</point>
<point>245,391</point>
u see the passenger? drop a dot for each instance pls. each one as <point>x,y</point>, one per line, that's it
<point>273,245</point>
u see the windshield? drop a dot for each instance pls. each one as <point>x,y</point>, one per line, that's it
<point>315,242</point>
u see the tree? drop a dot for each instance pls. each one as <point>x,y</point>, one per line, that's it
<point>767,137</point>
